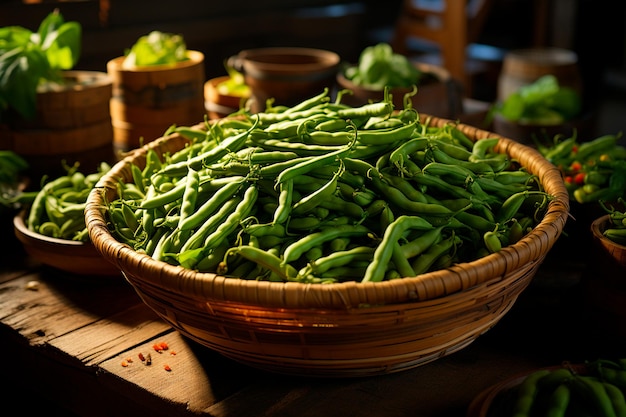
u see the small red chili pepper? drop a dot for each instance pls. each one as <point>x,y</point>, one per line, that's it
<point>141,357</point>
<point>579,178</point>
<point>167,368</point>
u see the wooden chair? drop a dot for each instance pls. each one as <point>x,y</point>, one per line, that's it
<point>449,24</point>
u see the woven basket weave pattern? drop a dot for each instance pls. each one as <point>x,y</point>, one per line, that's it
<point>343,329</point>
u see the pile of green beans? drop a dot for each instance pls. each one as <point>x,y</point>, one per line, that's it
<point>324,192</point>
<point>616,229</point>
<point>598,389</point>
<point>57,209</point>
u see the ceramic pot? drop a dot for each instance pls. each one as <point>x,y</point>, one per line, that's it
<point>287,75</point>
<point>437,95</point>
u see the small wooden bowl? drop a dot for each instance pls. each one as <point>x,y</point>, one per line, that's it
<point>605,284</point>
<point>496,400</point>
<point>613,250</point>
<point>67,255</point>
<point>220,105</point>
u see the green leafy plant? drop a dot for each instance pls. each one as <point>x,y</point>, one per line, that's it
<point>156,48</point>
<point>29,59</point>
<point>380,67</point>
<point>543,102</point>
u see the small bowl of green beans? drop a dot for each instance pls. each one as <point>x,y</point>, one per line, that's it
<point>73,256</point>
<point>52,226</point>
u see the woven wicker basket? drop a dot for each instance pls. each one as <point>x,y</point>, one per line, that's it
<point>343,329</point>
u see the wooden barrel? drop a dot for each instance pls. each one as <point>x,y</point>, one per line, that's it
<point>524,66</point>
<point>72,125</point>
<point>148,100</point>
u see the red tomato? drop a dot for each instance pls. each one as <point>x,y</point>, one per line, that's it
<point>579,178</point>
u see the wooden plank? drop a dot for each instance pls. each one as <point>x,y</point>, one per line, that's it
<point>198,379</point>
<point>111,336</point>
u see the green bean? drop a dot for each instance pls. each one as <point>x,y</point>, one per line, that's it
<point>303,223</point>
<point>230,144</point>
<point>399,199</point>
<point>210,206</point>
<point>425,261</point>
<point>285,198</point>
<point>401,154</point>
<point>295,250</point>
<point>328,138</point>
<point>264,258</point>
<point>450,150</point>
<point>382,108</point>
<point>401,263</point>
<point>527,392</point>
<point>339,244</point>
<point>617,398</point>
<point>272,170</point>
<point>386,136</point>
<point>421,243</point>
<point>337,259</point>
<point>595,392</point>
<point>511,206</point>
<point>38,207</point>
<point>196,240</point>
<point>315,162</point>
<point>190,195</point>
<point>405,187</point>
<point>482,147</point>
<point>312,200</point>
<point>348,208</point>
<point>384,252</point>
<point>476,168</point>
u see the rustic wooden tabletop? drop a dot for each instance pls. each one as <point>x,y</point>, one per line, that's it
<point>76,343</point>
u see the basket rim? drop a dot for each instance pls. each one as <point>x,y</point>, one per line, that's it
<point>205,286</point>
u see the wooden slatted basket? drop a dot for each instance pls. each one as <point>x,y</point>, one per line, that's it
<point>340,329</point>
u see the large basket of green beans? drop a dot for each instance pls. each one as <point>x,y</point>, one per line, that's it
<point>329,240</point>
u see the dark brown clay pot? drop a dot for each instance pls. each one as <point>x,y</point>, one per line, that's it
<point>287,75</point>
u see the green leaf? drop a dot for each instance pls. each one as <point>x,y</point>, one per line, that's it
<point>157,48</point>
<point>65,46</point>
<point>28,59</point>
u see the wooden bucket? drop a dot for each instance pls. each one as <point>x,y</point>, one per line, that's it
<point>525,66</point>
<point>148,100</point>
<point>72,125</point>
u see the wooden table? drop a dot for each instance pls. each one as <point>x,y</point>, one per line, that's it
<point>67,338</point>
